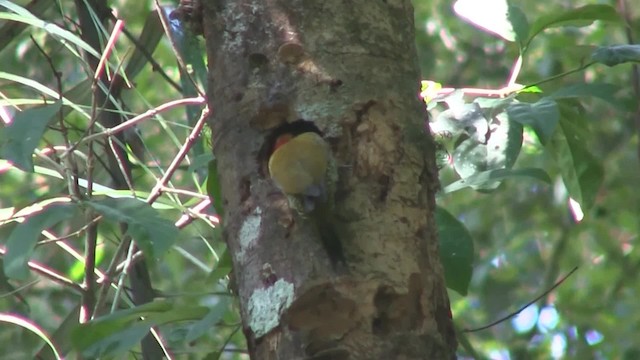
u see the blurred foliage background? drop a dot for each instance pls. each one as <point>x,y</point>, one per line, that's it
<point>525,234</point>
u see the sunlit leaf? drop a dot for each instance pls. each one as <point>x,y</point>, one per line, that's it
<point>467,118</point>
<point>542,116</point>
<point>499,151</point>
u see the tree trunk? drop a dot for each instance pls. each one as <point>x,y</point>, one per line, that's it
<point>350,67</point>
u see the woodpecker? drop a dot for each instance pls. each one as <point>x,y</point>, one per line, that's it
<point>298,164</point>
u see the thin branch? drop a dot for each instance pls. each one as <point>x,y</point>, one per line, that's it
<point>510,88</point>
<point>49,274</point>
<point>558,76</point>
<point>123,275</point>
<point>525,306</point>
<point>193,136</point>
<point>89,283</point>
<point>111,270</point>
<point>189,193</point>
<point>146,115</point>
<point>195,213</point>
<point>115,33</point>
<point>88,302</point>
<point>71,167</point>
<point>515,72</point>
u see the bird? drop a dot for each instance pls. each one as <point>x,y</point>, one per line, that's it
<point>298,165</point>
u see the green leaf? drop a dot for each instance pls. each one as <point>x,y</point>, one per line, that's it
<point>470,158</point>
<point>542,116</point>
<point>9,32</point>
<point>500,151</point>
<point>23,16</point>
<point>21,137</point>
<point>456,251</point>
<point>151,34</point>
<point>616,54</point>
<point>485,177</point>
<point>603,91</point>
<point>222,268</point>
<point>24,237</point>
<point>581,173</point>
<point>200,162</point>
<point>462,118</point>
<point>532,89</point>
<point>61,336</point>
<point>189,48</point>
<point>582,16</point>
<point>214,355</point>
<point>46,91</point>
<point>120,331</point>
<point>208,322</point>
<point>34,328</point>
<point>519,23</point>
<point>505,142</point>
<point>153,233</point>
<point>117,342</point>
<point>109,328</point>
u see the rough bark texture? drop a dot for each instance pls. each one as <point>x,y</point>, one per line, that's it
<point>351,67</point>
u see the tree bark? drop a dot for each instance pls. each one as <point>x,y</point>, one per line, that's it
<point>350,67</point>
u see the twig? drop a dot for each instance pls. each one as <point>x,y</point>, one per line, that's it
<point>115,33</point>
<point>146,115</point>
<point>525,306</point>
<point>49,274</point>
<point>111,269</point>
<point>515,71</point>
<point>189,193</point>
<point>71,168</point>
<point>88,300</point>
<point>193,136</point>
<point>557,76</point>
<point>196,212</point>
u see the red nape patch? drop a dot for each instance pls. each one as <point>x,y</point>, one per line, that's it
<point>281,140</point>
